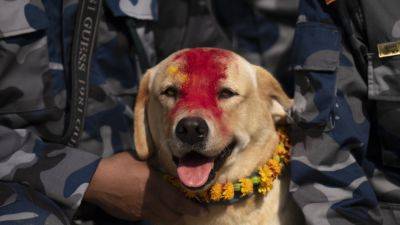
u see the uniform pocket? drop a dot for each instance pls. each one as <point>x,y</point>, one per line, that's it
<point>24,61</point>
<point>315,61</point>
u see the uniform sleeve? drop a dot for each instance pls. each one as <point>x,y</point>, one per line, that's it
<point>60,172</point>
<point>330,135</point>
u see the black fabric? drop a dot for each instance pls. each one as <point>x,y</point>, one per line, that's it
<point>187,24</point>
<point>351,18</point>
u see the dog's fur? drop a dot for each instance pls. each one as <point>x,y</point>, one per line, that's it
<point>249,118</point>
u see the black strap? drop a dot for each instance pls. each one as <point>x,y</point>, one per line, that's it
<point>353,23</point>
<point>138,48</point>
<point>82,49</point>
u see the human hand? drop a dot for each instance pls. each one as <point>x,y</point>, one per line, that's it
<point>130,190</point>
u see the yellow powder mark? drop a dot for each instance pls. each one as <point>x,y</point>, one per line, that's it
<point>174,71</point>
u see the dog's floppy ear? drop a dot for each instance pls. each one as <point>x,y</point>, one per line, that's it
<point>271,89</point>
<point>141,130</point>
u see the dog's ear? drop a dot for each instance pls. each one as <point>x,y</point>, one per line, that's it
<point>271,90</point>
<point>141,129</point>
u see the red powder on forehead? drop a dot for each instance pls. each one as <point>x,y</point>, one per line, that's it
<point>204,69</point>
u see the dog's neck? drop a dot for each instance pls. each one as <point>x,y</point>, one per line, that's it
<point>259,182</point>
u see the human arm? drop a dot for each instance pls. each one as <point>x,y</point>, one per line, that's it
<point>128,189</point>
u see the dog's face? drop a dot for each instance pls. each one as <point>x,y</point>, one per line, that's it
<point>206,114</point>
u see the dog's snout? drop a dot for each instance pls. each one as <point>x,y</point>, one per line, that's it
<point>191,130</point>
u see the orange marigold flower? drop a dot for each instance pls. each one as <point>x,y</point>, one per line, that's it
<point>216,192</point>
<point>229,191</point>
<point>275,167</point>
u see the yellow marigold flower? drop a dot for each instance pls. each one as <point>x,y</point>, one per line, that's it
<point>229,191</point>
<point>281,150</point>
<point>216,192</point>
<point>275,166</point>
<point>247,186</point>
<point>265,186</point>
<point>267,178</point>
<point>265,173</point>
<point>262,190</point>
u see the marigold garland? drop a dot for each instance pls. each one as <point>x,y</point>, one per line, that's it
<point>246,186</point>
<point>216,192</point>
<point>229,191</point>
<point>260,182</point>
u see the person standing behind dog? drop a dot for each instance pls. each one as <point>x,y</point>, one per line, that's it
<point>47,167</point>
<point>346,156</point>
<point>63,108</point>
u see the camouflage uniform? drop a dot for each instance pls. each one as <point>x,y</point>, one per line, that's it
<point>262,31</point>
<point>35,46</point>
<point>346,155</point>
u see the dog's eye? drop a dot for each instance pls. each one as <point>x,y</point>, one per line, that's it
<point>170,92</point>
<point>226,93</point>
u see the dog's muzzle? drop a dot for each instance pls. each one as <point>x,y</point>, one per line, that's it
<point>192,130</point>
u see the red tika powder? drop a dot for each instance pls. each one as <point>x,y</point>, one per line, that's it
<point>204,69</point>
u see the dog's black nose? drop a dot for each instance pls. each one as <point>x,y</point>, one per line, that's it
<point>191,130</point>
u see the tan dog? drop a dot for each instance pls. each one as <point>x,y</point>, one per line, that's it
<point>206,115</point>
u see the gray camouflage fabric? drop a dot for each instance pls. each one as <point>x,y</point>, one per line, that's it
<point>35,45</point>
<point>345,162</point>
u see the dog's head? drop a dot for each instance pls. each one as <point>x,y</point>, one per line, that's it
<point>206,114</point>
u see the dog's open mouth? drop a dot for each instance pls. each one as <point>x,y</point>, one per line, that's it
<point>196,170</point>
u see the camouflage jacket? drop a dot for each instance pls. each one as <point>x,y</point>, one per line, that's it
<point>35,46</point>
<point>346,156</point>
<point>262,32</point>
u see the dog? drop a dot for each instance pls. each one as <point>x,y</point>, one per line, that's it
<point>208,116</point>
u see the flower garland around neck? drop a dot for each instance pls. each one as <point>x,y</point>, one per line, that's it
<point>261,181</point>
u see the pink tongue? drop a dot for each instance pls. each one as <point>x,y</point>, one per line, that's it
<point>194,169</point>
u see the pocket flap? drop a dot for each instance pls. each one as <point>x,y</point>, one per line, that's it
<point>317,47</point>
<point>20,17</point>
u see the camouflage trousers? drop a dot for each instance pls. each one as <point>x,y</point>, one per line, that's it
<point>20,204</point>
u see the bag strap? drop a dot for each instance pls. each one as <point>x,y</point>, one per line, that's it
<point>85,34</point>
<point>353,23</point>
<point>138,48</point>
